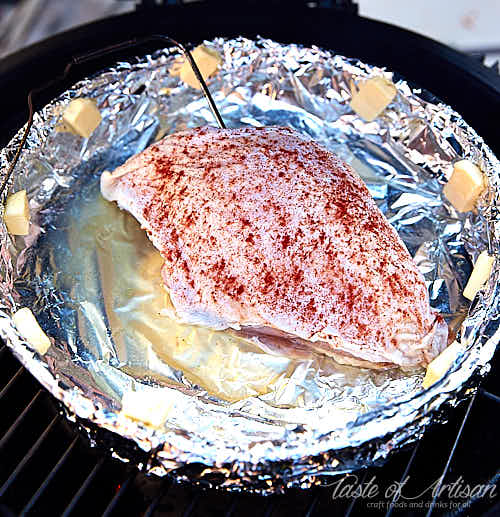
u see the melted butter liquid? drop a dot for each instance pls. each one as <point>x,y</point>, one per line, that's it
<point>128,268</point>
<point>114,279</point>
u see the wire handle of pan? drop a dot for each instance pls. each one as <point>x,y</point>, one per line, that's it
<point>95,55</point>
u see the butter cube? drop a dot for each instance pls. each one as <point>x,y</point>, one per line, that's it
<point>30,330</point>
<point>465,186</point>
<point>17,214</point>
<point>373,97</point>
<point>150,407</point>
<point>208,60</point>
<point>479,275</point>
<point>441,364</point>
<point>82,117</point>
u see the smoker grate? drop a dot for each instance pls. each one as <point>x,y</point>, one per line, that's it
<point>47,468</point>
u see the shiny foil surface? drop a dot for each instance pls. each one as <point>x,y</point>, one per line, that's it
<point>253,420</point>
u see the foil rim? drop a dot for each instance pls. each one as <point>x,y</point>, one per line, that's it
<point>479,350</point>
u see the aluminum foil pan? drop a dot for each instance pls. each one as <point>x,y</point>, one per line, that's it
<point>251,419</point>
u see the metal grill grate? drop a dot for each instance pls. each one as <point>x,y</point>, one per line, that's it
<point>46,468</point>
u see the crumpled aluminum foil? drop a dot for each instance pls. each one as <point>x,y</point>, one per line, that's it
<point>251,419</point>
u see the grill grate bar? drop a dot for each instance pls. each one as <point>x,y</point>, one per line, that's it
<point>232,507</point>
<point>28,455</point>
<point>83,488</point>
<point>452,452</point>
<point>355,499</point>
<point>405,473</point>
<point>49,478</point>
<point>270,508</point>
<point>313,504</point>
<point>491,396</point>
<point>466,505</point>
<point>19,419</point>
<point>154,503</point>
<point>11,382</point>
<point>123,488</point>
<point>191,506</point>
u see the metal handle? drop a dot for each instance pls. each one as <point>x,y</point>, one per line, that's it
<point>94,55</point>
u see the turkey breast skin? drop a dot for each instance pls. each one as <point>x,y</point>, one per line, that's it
<point>265,231</point>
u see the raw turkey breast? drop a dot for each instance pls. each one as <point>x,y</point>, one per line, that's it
<point>267,232</point>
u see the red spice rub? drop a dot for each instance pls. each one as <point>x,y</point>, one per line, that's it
<point>265,227</point>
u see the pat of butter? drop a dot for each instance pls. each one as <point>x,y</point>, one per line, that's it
<point>150,407</point>
<point>208,60</point>
<point>82,116</point>
<point>479,275</point>
<point>17,214</point>
<point>466,184</point>
<point>441,364</point>
<point>28,327</point>
<point>373,97</point>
